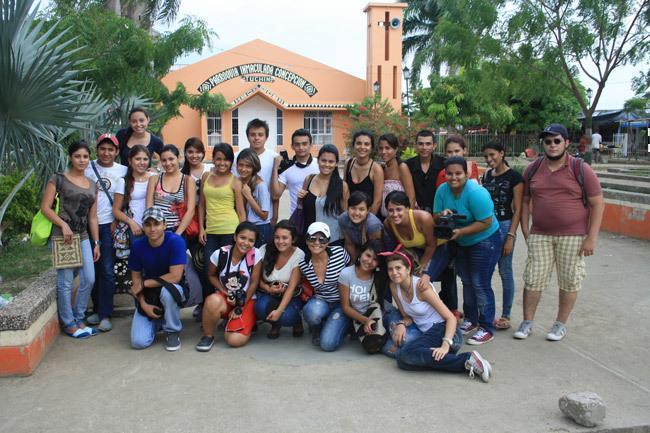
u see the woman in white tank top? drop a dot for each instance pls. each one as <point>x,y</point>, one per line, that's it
<point>423,330</point>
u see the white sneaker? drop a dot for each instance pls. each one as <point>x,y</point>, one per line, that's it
<point>93,319</point>
<point>557,332</point>
<point>524,330</point>
<point>476,364</point>
<point>105,325</point>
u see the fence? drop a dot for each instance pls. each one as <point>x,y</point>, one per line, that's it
<point>514,144</point>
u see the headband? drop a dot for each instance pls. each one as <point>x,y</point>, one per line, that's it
<point>399,253</point>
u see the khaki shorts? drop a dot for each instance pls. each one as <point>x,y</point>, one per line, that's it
<point>544,251</point>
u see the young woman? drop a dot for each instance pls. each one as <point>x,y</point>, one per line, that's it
<point>234,273</point>
<point>455,145</point>
<point>325,195</point>
<point>194,152</point>
<point>137,133</point>
<point>506,187</point>
<point>425,332</point>
<point>131,191</point>
<point>256,193</point>
<point>172,190</point>
<point>321,268</point>
<point>361,172</point>
<point>363,287</point>
<point>277,299</point>
<point>413,229</point>
<point>221,206</point>
<point>358,225</point>
<point>77,213</point>
<point>397,176</point>
<point>479,246</point>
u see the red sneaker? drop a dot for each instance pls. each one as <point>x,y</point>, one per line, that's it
<point>480,337</point>
<point>457,314</point>
<point>466,327</point>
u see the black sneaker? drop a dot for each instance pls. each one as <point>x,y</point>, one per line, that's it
<point>205,344</point>
<point>172,341</point>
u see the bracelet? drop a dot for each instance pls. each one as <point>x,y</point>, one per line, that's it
<point>449,341</point>
<point>400,323</point>
<point>512,235</point>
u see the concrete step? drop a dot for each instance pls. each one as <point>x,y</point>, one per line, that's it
<point>621,176</point>
<point>626,185</point>
<point>632,197</point>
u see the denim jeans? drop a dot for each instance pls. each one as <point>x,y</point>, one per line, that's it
<point>412,332</point>
<point>441,268</point>
<point>213,242</point>
<point>505,271</point>
<point>475,265</point>
<point>104,288</point>
<point>143,328</point>
<point>266,303</point>
<point>416,353</point>
<point>72,315</point>
<point>264,234</point>
<point>328,319</point>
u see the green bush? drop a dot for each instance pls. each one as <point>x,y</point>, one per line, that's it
<point>18,218</point>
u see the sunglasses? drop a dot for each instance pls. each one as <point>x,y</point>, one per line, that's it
<point>548,141</point>
<point>320,239</point>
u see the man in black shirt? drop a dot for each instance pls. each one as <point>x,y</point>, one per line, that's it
<point>424,169</point>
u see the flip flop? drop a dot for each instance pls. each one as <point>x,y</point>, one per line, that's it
<point>502,323</point>
<point>79,334</point>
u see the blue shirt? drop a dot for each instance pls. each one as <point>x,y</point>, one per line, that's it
<point>475,203</point>
<point>263,199</point>
<point>153,262</point>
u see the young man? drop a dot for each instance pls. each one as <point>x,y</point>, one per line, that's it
<point>156,259</point>
<point>424,169</point>
<point>564,230</point>
<point>596,143</point>
<point>301,166</point>
<point>105,172</point>
<point>257,132</point>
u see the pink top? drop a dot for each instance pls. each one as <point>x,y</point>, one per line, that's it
<point>557,206</point>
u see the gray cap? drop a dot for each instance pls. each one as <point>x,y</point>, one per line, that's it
<point>153,212</point>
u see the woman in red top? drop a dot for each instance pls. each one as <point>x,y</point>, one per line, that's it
<point>455,145</point>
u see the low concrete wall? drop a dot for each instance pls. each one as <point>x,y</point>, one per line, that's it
<point>28,327</point>
<point>627,218</point>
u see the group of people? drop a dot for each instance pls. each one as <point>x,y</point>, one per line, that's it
<point>358,256</point>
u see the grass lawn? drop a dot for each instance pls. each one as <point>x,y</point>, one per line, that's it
<point>20,264</point>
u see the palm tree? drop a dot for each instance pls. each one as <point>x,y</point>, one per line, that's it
<point>145,12</point>
<point>420,20</point>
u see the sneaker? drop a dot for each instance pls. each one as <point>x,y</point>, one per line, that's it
<point>524,330</point>
<point>172,341</point>
<point>105,325</point>
<point>557,332</point>
<point>466,327</point>
<point>93,319</point>
<point>205,344</point>
<point>476,364</point>
<point>480,337</point>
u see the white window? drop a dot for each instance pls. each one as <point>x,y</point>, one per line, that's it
<point>279,125</point>
<point>235,127</point>
<point>214,129</point>
<point>319,124</point>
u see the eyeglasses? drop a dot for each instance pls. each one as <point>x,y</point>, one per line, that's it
<point>548,141</point>
<point>320,239</point>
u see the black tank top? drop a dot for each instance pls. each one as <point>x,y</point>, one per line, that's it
<point>309,206</point>
<point>365,185</point>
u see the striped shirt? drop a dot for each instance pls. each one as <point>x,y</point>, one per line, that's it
<point>169,202</point>
<point>328,290</point>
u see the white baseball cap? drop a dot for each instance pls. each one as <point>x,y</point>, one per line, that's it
<point>319,227</point>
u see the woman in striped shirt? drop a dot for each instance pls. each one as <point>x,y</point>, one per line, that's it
<point>321,267</point>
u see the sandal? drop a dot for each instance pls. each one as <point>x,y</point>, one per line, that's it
<point>80,333</point>
<point>502,323</point>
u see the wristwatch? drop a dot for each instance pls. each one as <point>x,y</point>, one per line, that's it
<point>448,340</point>
<point>97,243</point>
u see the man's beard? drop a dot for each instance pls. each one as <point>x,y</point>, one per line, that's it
<point>555,158</point>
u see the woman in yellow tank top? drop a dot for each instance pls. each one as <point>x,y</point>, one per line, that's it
<point>411,228</point>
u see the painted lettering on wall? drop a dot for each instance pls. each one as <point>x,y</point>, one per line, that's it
<point>264,73</point>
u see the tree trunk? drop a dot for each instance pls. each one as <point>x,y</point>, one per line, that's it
<point>10,197</point>
<point>113,6</point>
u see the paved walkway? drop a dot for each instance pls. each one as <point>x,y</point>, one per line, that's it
<point>102,385</point>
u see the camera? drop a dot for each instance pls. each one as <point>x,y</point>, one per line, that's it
<point>446,224</point>
<point>239,297</point>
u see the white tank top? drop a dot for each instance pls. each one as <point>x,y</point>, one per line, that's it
<point>422,313</point>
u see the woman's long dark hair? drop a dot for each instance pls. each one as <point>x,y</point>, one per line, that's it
<point>380,275</point>
<point>195,143</point>
<point>129,130</point>
<point>335,187</point>
<point>272,253</point>
<point>496,145</point>
<point>393,142</point>
<point>129,180</point>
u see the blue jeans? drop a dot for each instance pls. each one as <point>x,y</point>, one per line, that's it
<point>72,315</point>
<point>104,288</point>
<point>475,265</point>
<point>143,328</point>
<point>505,271</point>
<point>412,332</point>
<point>416,353</point>
<point>213,242</point>
<point>266,303</point>
<point>441,268</point>
<point>264,234</point>
<point>328,319</point>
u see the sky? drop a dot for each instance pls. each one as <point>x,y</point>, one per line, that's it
<point>332,32</point>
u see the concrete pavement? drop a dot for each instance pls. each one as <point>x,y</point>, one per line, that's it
<point>102,385</point>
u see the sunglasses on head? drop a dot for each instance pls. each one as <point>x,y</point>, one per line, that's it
<point>320,239</point>
<point>553,141</point>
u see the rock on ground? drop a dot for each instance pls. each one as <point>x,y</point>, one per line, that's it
<point>585,408</point>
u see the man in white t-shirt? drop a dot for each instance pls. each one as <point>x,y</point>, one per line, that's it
<point>105,172</point>
<point>301,166</point>
<point>596,143</point>
<point>257,132</point>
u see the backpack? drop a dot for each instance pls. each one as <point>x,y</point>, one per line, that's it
<point>577,166</point>
<point>225,258</point>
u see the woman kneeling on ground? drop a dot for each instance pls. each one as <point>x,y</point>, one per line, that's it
<point>362,288</point>
<point>277,299</point>
<point>234,272</point>
<point>434,342</point>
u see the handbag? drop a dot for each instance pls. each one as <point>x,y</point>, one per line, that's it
<point>122,237</point>
<point>192,229</point>
<point>41,226</point>
<point>298,219</point>
<point>65,256</point>
<point>307,290</point>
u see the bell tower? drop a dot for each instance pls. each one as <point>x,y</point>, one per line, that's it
<point>384,51</point>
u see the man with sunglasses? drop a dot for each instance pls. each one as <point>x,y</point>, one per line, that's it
<point>564,230</point>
